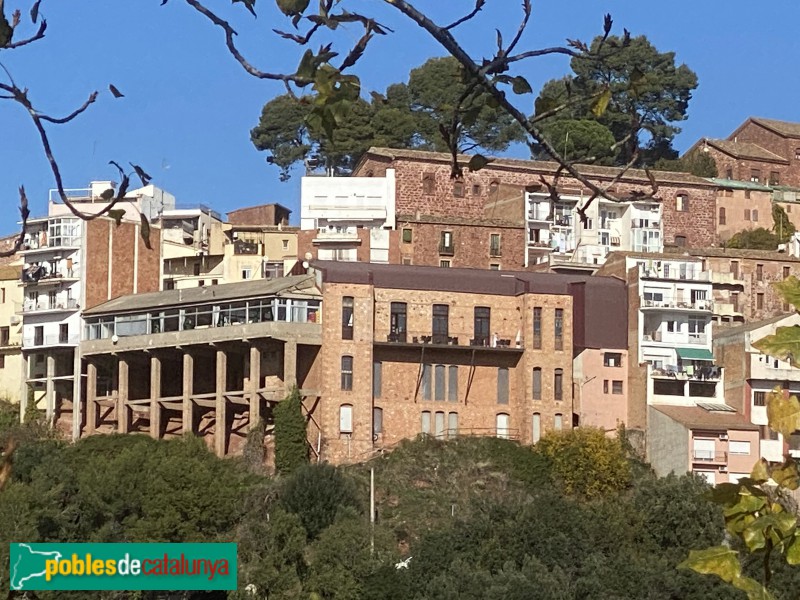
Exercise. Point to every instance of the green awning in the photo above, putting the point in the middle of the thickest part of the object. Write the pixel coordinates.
(695, 354)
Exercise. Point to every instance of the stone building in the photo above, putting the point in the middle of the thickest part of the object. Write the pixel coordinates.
(742, 205)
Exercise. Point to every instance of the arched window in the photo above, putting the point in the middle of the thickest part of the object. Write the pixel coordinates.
(558, 384)
(558, 422)
(503, 424)
(682, 202)
(721, 215)
(347, 373)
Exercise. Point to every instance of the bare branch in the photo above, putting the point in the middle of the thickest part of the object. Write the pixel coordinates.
(73, 114)
(478, 6)
(37, 36)
(527, 10)
(24, 214)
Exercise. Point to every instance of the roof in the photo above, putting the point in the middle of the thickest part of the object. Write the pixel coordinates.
(745, 150)
(735, 253)
(476, 222)
(740, 185)
(600, 303)
(200, 295)
(540, 166)
(784, 128)
(695, 417)
(726, 332)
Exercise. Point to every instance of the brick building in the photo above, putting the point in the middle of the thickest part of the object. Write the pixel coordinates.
(410, 350)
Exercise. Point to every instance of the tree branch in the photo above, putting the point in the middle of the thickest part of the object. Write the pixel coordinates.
(478, 6)
(36, 36)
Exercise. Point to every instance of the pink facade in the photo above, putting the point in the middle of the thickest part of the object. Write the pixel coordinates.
(723, 456)
(601, 387)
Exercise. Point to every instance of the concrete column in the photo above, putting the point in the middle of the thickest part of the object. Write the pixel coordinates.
(155, 395)
(221, 426)
(188, 390)
(77, 395)
(123, 415)
(23, 392)
(50, 394)
(255, 382)
(290, 364)
(91, 397)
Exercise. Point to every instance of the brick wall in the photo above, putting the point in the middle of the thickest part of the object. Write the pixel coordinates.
(401, 398)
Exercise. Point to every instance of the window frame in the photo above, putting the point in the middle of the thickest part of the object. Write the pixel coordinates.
(558, 384)
(348, 317)
(346, 373)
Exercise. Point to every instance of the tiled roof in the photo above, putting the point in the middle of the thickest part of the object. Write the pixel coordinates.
(784, 128)
(542, 167)
(745, 150)
(695, 417)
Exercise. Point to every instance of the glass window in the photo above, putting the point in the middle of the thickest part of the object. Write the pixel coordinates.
(537, 327)
(558, 422)
(439, 424)
(616, 387)
(612, 359)
(482, 325)
(377, 378)
(426, 421)
(347, 318)
(558, 384)
(377, 420)
(452, 424)
(398, 322)
(736, 447)
(347, 373)
(559, 329)
(759, 398)
(426, 382)
(439, 383)
(440, 325)
(452, 384)
(407, 236)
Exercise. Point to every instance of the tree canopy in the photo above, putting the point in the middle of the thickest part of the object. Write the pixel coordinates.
(636, 93)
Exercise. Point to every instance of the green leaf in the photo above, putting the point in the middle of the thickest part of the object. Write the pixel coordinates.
(783, 414)
(520, 85)
(792, 552)
(478, 162)
(760, 471)
(784, 343)
(786, 475)
(600, 104)
(725, 493)
(717, 560)
(789, 289)
(753, 589)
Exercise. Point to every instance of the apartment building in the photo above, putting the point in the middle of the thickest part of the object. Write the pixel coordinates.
(210, 361)
(10, 332)
(192, 247)
(70, 265)
(411, 350)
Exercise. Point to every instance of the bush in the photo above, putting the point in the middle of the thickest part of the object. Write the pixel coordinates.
(291, 447)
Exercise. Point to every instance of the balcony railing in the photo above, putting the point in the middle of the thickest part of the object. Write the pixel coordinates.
(710, 456)
(29, 306)
(447, 249)
(702, 305)
(51, 340)
(402, 337)
(675, 339)
(636, 224)
(33, 276)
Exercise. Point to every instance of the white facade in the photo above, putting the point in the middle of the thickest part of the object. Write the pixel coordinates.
(556, 230)
(338, 207)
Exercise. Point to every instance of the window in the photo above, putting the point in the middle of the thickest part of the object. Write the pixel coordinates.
(494, 266)
(755, 215)
(201, 283)
(672, 326)
(787, 271)
(285, 244)
(682, 202)
(735, 300)
(397, 322)
(612, 359)
(759, 398)
(3, 295)
(346, 418)
(247, 272)
(476, 189)
(558, 422)
(426, 382)
(377, 378)
(503, 422)
(537, 427)
(797, 153)
(347, 373)
(440, 325)
(482, 324)
(214, 281)
(428, 183)
(774, 178)
(458, 188)
(721, 215)
(680, 240)
(494, 244)
(452, 424)
(439, 424)
(747, 194)
(2, 361)
(502, 385)
(5, 336)
(737, 447)
(446, 243)
(735, 269)
(63, 333)
(406, 260)
(408, 236)
(558, 384)
(616, 387)
(439, 382)
(537, 327)
(759, 301)
(728, 173)
(759, 272)
(196, 269)
(605, 386)
(559, 329)
(537, 383)
(426, 421)
(377, 421)
(452, 384)
(444, 264)
(347, 318)
(755, 175)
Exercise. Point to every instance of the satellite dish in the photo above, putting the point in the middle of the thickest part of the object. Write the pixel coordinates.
(114, 338)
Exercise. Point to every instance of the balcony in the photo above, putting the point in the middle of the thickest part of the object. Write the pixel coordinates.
(447, 249)
(332, 236)
(673, 339)
(245, 248)
(727, 309)
(695, 305)
(493, 343)
(673, 273)
(709, 456)
(29, 306)
(642, 224)
(39, 276)
(43, 341)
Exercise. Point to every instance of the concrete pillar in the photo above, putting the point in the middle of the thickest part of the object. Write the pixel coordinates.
(221, 426)
(50, 394)
(255, 382)
(188, 390)
(290, 364)
(77, 395)
(91, 397)
(123, 415)
(155, 395)
(23, 392)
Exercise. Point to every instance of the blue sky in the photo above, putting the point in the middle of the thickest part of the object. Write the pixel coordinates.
(189, 107)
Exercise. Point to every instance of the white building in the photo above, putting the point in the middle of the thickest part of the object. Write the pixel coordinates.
(348, 213)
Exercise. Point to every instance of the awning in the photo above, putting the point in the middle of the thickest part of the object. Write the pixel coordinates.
(695, 354)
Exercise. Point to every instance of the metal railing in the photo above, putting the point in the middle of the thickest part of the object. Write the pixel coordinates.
(29, 306)
(51, 340)
(709, 456)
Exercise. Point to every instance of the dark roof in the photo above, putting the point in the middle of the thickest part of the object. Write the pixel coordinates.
(600, 302)
(201, 295)
(695, 417)
(784, 128)
(745, 150)
(541, 167)
(275, 204)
